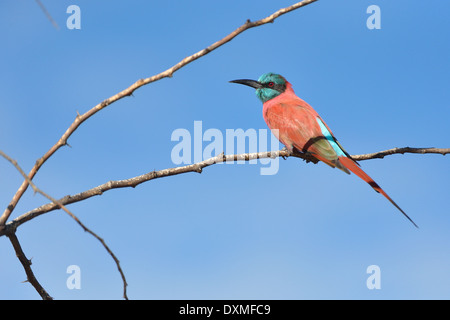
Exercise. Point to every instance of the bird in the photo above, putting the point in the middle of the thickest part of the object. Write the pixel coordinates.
(300, 128)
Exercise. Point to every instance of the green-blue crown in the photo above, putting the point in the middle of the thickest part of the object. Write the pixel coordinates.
(272, 85)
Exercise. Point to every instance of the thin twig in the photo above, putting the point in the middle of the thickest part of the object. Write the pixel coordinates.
(59, 204)
(47, 14)
(196, 167)
(129, 91)
(382, 154)
(27, 266)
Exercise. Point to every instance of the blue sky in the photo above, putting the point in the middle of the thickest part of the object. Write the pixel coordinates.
(308, 232)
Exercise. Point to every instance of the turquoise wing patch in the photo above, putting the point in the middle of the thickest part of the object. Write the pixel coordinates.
(327, 134)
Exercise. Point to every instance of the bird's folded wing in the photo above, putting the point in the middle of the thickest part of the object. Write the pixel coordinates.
(301, 127)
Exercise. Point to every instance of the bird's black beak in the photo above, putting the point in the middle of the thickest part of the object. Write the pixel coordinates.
(250, 83)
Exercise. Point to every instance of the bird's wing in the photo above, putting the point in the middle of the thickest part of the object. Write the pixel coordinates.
(301, 127)
(336, 140)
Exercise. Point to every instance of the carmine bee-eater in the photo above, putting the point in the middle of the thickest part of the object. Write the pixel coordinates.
(298, 126)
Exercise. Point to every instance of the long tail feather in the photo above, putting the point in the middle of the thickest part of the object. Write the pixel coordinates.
(353, 167)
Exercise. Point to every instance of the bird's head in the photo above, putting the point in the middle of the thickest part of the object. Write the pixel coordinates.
(268, 86)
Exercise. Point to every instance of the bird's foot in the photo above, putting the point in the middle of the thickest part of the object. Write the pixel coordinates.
(289, 153)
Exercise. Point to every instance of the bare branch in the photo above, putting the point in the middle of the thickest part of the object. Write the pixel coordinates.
(59, 204)
(27, 266)
(129, 91)
(196, 167)
(382, 154)
(47, 14)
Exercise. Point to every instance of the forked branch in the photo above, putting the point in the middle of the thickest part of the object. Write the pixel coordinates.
(129, 91)
(10, 229)
(196, 167)
(26, 263)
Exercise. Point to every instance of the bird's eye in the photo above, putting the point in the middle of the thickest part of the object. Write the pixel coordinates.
(271, 84)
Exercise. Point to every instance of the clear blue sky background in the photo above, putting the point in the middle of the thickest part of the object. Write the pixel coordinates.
(308, 232)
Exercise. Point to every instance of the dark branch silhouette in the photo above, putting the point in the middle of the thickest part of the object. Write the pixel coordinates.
(27, 266)
(59, 205)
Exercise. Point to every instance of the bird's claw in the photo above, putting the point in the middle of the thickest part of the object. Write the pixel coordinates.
(289, 153)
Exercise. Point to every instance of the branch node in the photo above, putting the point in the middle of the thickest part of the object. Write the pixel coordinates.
(198, 169)
(39, 162)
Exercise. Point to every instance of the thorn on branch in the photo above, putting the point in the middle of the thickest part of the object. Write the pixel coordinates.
(198, 169)
(26, 264)
(39, 162)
